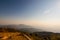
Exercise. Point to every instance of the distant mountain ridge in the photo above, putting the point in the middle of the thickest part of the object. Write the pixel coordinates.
(22, 27)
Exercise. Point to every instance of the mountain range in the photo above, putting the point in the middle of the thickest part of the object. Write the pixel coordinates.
(22, 27)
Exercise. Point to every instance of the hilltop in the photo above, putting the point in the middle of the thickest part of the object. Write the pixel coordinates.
(7, 33)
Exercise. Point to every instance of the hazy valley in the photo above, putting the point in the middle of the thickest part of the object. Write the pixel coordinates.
(24, 32)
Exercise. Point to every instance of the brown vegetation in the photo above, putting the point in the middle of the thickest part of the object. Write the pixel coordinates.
(13, 34)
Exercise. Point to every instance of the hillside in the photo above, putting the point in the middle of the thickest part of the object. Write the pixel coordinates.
(14, 34)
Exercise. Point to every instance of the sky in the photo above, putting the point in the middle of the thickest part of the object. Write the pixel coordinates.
(44, 13)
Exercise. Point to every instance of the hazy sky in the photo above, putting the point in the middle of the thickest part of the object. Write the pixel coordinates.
(31, 12)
